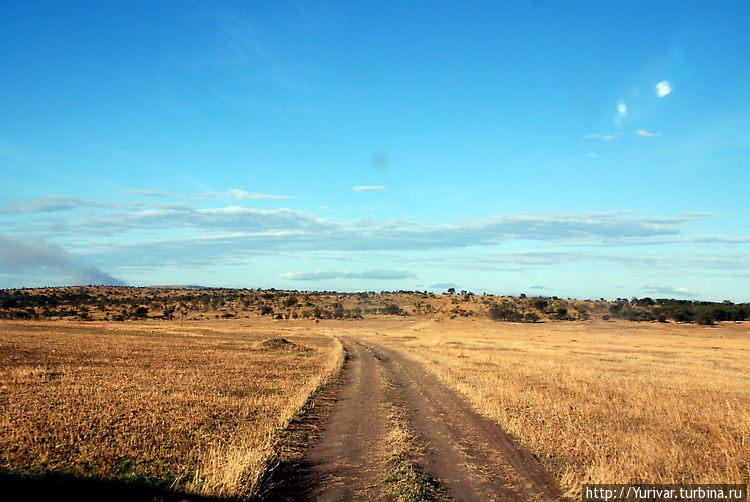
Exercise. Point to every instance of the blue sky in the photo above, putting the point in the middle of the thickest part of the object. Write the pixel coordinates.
(577, 149)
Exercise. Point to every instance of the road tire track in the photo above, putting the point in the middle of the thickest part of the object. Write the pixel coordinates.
(471, 454)
(473, 458)
(348, 462)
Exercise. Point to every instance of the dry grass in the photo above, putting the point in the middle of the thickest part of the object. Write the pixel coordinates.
(405, 455)
(195, 407)
(199, 407)
(605, 402)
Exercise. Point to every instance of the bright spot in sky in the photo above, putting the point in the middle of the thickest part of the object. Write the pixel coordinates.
(663, 88)
(622, 109)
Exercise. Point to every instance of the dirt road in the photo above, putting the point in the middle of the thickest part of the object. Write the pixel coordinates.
(469, 455)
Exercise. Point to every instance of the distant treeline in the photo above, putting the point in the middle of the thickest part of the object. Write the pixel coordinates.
(643, 309)
(111, 303)
(700, 312)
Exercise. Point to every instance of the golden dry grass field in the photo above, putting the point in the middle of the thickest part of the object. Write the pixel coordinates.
(602, 402)
(197, 407)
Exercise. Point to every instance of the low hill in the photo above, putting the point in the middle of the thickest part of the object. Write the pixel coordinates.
(188, 303)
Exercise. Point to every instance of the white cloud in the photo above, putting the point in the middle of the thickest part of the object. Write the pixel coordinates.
(622, 109)
(646, 134)
(241, 194)
(148, 193)
(606, 137)
(50, 204)
(663, 88)
(183, 235)
(311, 231)
(659, 289)
(345, 274)
(444, 285)
(592, 156)
(234, 193)
(373, 188)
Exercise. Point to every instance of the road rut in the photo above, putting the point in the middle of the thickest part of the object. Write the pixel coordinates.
(472, 457)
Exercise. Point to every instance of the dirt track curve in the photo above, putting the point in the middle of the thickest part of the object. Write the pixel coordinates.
(469, 454)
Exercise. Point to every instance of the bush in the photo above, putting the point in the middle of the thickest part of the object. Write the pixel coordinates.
(704, 319)
(682, 315)
(393, 309)
(540, 304)
(140, 312)
(504, 313)
(531, 317)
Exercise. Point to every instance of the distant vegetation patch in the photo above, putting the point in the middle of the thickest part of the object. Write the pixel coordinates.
(108, 303)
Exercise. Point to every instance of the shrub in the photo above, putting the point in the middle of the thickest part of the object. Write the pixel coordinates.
(504, 312)
(540, 304)
(704, 319)
(393, 309)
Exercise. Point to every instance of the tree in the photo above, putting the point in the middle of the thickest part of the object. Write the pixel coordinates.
(531, 317)
(540, 304)
(719, 314)
(704, 319)
(392, 309)
(169, 312)
(504, 312)
(140, 312)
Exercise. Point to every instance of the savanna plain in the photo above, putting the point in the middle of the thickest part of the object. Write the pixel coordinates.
(201, 402)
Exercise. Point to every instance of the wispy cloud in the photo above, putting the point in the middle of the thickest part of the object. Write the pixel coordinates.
(241, 194)
(372, 188)
(148, 193)
(444, 285)
(345, 274)
(50, 204)
(269, 228)
(645, 134)
(147, 236)
(673, 264)
(659, 289)
(606, 137)
(234, 193)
